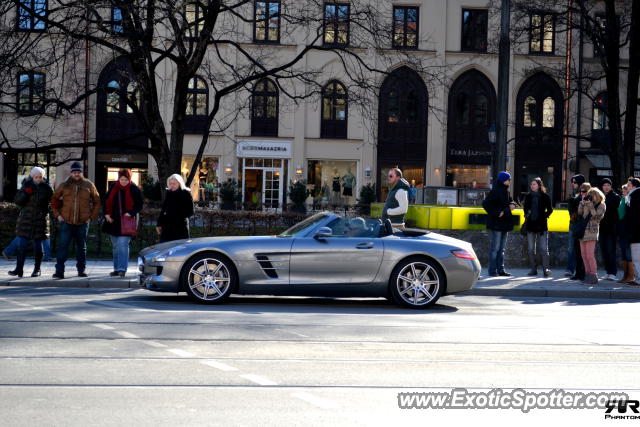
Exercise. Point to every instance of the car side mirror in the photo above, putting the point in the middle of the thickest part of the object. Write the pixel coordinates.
(323, 233)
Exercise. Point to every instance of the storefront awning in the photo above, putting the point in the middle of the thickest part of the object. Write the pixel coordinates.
(601, 161)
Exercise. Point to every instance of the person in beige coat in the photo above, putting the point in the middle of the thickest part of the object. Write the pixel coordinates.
(592, 205)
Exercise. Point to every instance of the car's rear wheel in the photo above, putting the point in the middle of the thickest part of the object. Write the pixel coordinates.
(209, 278)
(417, 283)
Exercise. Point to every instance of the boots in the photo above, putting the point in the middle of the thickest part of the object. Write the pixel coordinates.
(629, 272)
(36, 266)
(20, 256)
(533, 264)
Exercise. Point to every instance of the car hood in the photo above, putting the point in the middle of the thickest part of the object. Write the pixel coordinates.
(162, 247)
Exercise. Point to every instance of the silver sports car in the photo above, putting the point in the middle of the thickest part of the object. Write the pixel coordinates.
(323, 255)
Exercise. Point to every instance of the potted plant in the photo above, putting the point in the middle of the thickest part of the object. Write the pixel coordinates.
(229, 194)
(298, 194)
(367, 196)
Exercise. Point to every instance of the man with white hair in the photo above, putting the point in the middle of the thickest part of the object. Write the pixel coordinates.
(32, 226)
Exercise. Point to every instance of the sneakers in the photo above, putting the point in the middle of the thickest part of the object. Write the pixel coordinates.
(590, 279)
(569, 274)
(547, 272)
(117, 274)
(610, 277)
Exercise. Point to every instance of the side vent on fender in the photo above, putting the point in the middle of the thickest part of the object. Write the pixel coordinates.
(266, 266)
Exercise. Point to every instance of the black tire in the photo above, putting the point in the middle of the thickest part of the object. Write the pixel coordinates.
(209, 278)
(417, 283)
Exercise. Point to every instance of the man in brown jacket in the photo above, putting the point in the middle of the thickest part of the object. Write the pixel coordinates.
(75, 203)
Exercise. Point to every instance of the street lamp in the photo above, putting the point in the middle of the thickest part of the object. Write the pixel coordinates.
(228, 169)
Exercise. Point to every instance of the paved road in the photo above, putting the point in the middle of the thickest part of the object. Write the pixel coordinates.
(128, 357)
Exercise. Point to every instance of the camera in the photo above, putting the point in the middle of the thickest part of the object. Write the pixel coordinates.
(587, 198)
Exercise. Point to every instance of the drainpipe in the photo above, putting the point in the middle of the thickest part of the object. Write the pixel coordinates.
(85, 125)
(579, 90)
(567, 100)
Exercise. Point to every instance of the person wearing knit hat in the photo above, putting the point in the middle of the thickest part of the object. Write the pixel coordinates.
(498, 204)
(32, 226)
(75, 204)
(608, 236)
(575, 267)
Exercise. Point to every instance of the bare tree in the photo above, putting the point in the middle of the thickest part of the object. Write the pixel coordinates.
(610, 26)
(167, 43)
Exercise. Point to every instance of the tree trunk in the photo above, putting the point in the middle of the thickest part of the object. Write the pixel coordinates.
(633, 75)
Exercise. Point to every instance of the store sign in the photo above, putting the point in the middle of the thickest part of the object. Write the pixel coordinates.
(266, 149)
(122, 158)
(465, 155)
(609, 172)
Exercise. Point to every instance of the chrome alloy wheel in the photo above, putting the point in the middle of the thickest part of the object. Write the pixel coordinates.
(209, 279)
(418, 284)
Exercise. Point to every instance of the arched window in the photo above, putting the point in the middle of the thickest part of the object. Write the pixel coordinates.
(334, 111)
(481, 110)
(133, 93)
(548, 112)
(264, 109)
(600, 119)
(113, 97)
(530, 112)
(197, 97)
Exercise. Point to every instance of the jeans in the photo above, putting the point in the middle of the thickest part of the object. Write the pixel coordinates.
(625, 247)
(66, 235)
(635, 254)
(571, 252)
(120, 246)
(13, 247)
(588, 251)
(496, 253)
(608, 249)
(538, 243)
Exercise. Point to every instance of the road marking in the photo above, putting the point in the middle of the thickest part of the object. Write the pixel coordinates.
(153, 344)
(219, 365)
(122, 305)
(103, 326)
(314, 400)
(258, 379)
(291, 332)
(180, 353)
(126, 334)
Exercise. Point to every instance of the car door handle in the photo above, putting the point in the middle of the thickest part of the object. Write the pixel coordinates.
(364, 245)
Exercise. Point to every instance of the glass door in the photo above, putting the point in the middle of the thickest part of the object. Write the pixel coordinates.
(272, 184)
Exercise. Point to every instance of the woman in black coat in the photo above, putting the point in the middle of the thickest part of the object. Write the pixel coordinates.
(537, 209)
(124, 199)
(33, 221)
(173, 222)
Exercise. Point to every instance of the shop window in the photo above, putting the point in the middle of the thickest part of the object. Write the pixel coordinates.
(413, 174)
(267, 22)
(113, 97)
(30, 94)
(204, 186)
(336, 24)
(548, 112)
(194, 17)
(468, 176)
(530, 112)
(334, 111)
(405, 27)
(474, 30)
(600, 119)
(332, 182)
(30, 15)
(26, 162)
(133, 92)
(264, 106)
(542, 30)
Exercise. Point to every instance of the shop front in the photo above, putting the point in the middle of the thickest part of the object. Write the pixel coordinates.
(332, 183)
(108, 164)
(17, 167)
(206, 182)
(263, 173)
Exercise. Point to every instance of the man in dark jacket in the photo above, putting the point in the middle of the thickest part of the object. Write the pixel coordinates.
(608, 235)
(575, 265)
(499, 205)
(397, 202)
(632, 223)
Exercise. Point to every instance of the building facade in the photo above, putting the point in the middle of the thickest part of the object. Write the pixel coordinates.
(435, 129)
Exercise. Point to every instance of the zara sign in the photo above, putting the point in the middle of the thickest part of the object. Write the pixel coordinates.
(266, 149)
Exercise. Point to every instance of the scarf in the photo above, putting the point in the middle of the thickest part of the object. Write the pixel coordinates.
(128, 200)
(535, 205)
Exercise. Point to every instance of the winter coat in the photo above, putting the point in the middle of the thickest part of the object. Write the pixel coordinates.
(597, 213)
(397, 203)
(33, 200)
(117, 210)
(498, 200)
(610, 220)
(544, 211)
(632, 216)
(76, 201)
(174, 216)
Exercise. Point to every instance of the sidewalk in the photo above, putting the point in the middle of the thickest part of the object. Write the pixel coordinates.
(520, 285)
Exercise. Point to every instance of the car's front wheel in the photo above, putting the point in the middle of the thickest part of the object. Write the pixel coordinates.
(416, 283)
(208, 278)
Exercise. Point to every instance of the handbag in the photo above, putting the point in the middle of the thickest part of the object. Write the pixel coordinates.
(128, 224)
(581, 227)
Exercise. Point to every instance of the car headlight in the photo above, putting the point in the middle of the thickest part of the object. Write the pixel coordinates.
(161, 257)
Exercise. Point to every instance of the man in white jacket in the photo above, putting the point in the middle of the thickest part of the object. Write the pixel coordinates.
(397, 202)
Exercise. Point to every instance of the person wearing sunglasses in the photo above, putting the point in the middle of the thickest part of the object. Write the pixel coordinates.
(575, 267)
(397, 203)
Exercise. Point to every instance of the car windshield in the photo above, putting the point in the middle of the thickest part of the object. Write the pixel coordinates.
(303, 225)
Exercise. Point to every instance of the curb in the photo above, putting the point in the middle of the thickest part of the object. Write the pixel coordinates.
(627, 294)
(75, 283)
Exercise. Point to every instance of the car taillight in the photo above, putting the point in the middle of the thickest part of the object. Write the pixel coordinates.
(462, 253)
